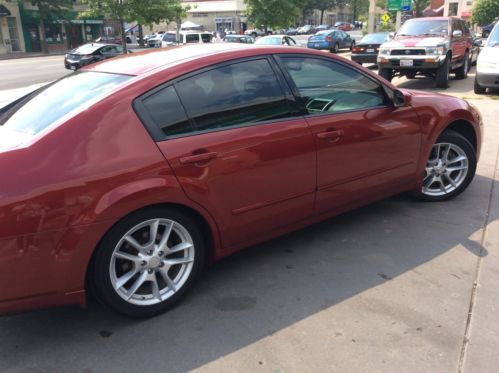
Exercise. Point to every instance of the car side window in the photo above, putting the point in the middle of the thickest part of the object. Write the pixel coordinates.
(231, 95)
(192, 38)
(166, 112)
(330, 87)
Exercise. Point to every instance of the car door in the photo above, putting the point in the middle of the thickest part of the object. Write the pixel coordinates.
(365, 145)
(236, 146)
(458, 42)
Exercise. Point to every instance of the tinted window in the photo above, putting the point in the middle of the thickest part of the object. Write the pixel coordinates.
(241, 93)
(424, 27)
(166, 112)
(327, 86)
(192, 38)
(44, 108)
(170, 37)
(206, 38)
(377, 38)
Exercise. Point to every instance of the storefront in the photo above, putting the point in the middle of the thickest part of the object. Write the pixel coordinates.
(10, 29)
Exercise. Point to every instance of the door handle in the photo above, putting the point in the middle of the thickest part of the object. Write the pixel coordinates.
(203, 157)
(327, 135)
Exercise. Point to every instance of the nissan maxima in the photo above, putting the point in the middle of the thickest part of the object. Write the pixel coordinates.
(127, 177)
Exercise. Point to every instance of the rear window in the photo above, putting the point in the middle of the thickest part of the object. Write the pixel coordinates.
(39, 110)
(375, 39)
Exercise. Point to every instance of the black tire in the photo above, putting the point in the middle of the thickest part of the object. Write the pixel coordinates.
(462, 71)
(411, 75)
(254, 35)
(442, 75)
(336, 48)
(100, 274)
(479, 90)
(461, 142)
(386, 74)
(485, 34)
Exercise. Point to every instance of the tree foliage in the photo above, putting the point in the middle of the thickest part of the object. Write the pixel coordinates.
(485, 11)
(419, 6)
(273, 13)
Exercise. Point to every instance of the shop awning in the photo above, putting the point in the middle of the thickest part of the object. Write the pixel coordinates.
(4, 11)
(189, 24)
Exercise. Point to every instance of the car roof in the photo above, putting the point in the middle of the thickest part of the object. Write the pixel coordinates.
(91, 47)
(143, 62)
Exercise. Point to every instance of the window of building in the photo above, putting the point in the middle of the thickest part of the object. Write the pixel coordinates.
(327, 86)
(453, 9)
(53, 33)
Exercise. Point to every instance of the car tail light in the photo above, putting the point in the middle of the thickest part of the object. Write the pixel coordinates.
(355, 49)
(329, 38)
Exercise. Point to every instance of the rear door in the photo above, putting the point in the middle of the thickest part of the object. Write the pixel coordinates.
(237, 148)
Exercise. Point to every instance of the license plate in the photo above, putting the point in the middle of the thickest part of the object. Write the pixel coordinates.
(72, 67)
(317, 45)
(370, 50)
(406, 62)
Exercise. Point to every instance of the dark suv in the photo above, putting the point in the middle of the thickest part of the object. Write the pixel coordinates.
(432, 47)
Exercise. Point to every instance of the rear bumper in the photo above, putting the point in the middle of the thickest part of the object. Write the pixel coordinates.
(319, 45)
(404, 62)
(364, 58)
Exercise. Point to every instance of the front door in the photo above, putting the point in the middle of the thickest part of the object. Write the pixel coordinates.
(365, 146)
(241, 154)
(34, 37)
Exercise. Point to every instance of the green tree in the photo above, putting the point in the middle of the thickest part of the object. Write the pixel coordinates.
(144, 12)
(485, 11)
(50, 11)
(273, 13)
(323, 5)
(359, 8)
(419, 6)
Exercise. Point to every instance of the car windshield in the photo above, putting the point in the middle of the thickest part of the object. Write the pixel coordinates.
(87, 48)
(426, 27)
(39, 110)
(493, 39)
(171, 38)
(378, 38)
(269, 41)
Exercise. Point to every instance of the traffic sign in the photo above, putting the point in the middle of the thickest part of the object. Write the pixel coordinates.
(385, 18)
(396, 5)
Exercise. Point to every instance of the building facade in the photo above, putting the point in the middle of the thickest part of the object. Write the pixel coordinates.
(11, 35)
(458, 8)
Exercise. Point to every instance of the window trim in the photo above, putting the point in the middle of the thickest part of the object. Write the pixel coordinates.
(299, 99)
(159, 136)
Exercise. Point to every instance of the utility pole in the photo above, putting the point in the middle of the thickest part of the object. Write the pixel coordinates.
(398, 20)
(372, 11)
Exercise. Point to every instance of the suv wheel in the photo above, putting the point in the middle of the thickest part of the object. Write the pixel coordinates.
(386, 73)
(462, 72)
(442, 75)
(478, 88)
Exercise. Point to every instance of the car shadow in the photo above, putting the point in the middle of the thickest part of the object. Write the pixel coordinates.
(255, 293)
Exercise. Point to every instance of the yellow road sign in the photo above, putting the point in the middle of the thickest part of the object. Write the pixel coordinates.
(385, 17)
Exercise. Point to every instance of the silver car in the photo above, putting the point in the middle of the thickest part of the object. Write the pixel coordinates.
(487, 66)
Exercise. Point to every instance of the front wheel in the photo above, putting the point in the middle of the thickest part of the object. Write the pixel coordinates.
(147, 261)
(462, 72)
(386, 73)
(478, 88)
(450, 168)
(442, 75)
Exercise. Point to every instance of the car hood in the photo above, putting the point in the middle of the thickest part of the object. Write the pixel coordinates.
(415, 41)
(489, 54)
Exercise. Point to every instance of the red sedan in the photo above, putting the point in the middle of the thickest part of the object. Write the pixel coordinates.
(127, 177)
(343, 26)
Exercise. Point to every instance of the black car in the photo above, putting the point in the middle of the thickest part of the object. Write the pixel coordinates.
(487, 29)
(366, 50)
(90, 53)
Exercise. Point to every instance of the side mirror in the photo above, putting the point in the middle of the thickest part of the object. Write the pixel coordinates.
(478, 42)
(398, 98)
(457, 33)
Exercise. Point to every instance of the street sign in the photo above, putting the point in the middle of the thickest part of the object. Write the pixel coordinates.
(385, 18)
(396, 5)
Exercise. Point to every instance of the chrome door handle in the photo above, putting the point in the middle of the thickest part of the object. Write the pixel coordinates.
(203, 157)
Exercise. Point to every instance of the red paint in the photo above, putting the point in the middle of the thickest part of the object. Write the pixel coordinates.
(65, 190)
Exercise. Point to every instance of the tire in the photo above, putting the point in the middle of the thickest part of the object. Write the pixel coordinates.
(462, 71)
(442, 75)
(479, 90)
(450, 151)
(336, 48)
(254, 35)
(128, 264)
(386, 74)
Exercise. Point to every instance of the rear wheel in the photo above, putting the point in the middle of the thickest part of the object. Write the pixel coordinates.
(146, 263)
(450, 168)
(478, 88)
(442, 75)
(462, 72)
(386, 74)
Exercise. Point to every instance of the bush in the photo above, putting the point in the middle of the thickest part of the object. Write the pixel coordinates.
(485, 11)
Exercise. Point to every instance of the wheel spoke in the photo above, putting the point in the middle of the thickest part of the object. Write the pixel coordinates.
(451, 180)
(452, 169)
(168, 280)
(442, 186)
(155, 288)
(132, 241)
(175, 261)
(126, 256)
(457, 159)
(429, 182)
(179, 247)
(445, 156)
(153, 231)
(136, 285)
(164, 239)
(125, 278)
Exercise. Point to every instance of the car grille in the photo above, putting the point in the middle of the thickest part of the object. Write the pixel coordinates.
(74, 57)
(408, 52)
(414, 62)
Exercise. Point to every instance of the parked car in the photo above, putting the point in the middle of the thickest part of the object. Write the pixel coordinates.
(155, 41)
(487, 67)
(344, 26)
(186, 37)
(332, 40)
(90, 53)
(277, 40)
(366, 50)
(487, 29)
(256, 32)
(128, 176)
(246, 39)
(108, 39)
(306, 30)
(291, 31)
(322, 28)
(434, 46)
